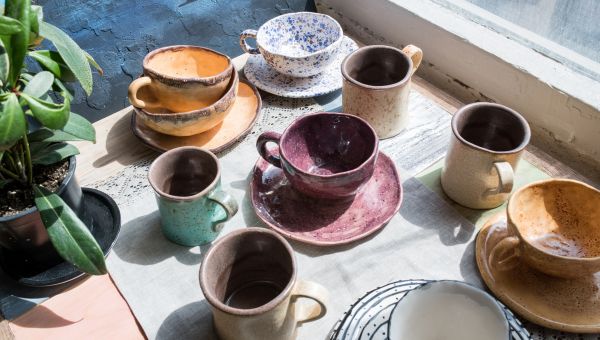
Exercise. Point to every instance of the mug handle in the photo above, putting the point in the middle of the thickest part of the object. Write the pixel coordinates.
(506, 245)
(506, 178)
(134, 87)
(261, 146)
(228, 203)
(315, 292)
(415, 54)
(244, 44)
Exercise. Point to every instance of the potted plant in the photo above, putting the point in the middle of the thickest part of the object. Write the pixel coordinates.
(40, 200)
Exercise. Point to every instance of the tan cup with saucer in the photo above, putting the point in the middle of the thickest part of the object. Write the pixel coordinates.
(554, 227)
(181, 78)
(249, 279)
(485, 147)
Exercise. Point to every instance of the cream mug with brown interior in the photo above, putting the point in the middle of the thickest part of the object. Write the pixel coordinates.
(554, 227)
(181, 78)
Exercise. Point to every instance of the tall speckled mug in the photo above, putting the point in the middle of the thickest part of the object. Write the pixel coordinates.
(486, 145)
(376, 86)
(187, 183)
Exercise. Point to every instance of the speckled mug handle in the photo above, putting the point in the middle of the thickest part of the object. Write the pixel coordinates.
(498, 256)
(244, 44)
(415, 54)
(261, 146)
(228, 203)
(315, 292)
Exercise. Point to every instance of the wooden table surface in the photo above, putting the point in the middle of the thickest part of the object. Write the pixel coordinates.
(94, 308)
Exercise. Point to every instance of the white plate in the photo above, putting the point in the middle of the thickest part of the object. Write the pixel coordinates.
(263, 76)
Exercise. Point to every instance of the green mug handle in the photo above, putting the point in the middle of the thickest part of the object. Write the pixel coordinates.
(228, 203)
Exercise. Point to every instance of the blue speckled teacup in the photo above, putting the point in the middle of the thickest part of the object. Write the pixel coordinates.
(298, 44)
(193, 208)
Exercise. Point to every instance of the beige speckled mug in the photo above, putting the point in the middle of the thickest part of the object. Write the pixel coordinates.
(486, 145)
(376, 85)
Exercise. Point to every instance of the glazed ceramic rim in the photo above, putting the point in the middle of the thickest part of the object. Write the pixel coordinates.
(195, 196)
(511, 300)
(467, 286)
(399, 83)
(337, 174)
(327, 49)
(216, 303)
(481, 105)
(170, 80)
(312, 241)
(257, 113)
(511, 207)
(229, 96)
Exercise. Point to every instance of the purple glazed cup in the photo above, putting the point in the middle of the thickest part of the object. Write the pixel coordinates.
(324, 155)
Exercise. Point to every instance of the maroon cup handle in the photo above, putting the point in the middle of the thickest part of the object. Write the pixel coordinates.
(261, 146)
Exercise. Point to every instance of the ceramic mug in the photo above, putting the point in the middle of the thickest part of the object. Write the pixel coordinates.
(298, 44)
(554, 227)
(485, 147)
(324, 154)
(376, 85)
(181, 78)
(249, 278)
(192, 206)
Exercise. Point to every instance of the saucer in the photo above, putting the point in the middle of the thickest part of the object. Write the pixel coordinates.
(101, 215)
(325, 223)
(563, 304)
(268, 79)
(236, 125)
(370, 316)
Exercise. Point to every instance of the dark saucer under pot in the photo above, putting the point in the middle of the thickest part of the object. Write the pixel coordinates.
(102, 216)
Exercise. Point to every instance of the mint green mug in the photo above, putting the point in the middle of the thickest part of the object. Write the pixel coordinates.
(192, 206)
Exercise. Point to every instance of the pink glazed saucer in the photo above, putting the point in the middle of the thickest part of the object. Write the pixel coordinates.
(325, 222)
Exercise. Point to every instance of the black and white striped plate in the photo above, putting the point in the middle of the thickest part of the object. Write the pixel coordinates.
(368, 318)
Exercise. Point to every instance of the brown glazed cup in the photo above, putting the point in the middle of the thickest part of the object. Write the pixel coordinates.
(181, 78)
(554, 227)
(324, 154)
(249, 279)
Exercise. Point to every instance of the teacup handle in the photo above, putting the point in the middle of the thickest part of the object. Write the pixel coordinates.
(134, 87)
(244, 44)
(415, 54)
(506, 179)
(261, 146)
(228, 203)
(315, 292)
(498, 257)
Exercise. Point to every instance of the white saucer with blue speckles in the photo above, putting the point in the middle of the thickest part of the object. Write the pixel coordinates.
(263, 76)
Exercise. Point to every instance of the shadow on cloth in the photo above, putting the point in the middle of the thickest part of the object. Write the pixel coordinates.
(192, 321)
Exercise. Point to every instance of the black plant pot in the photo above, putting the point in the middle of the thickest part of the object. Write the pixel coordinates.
(25, 235)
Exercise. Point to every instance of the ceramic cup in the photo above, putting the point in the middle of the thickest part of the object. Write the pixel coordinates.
(485, 147)
(298, 44)
(249, 279)
(377, 84)
(554, 227)
(192, 206)
(181, 78)
(450, 310)
(324, 155)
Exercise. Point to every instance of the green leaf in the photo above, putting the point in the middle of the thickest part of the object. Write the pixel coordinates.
(4, 63)
(18, 10)
(51, 115)
(93, 63)
(69, 235)
(54, 153)
(77, 128)
(53, 62)
(71, 53)
(36, 16)
(39, 84)
(12, 122)
(10, 26)
(60, 87)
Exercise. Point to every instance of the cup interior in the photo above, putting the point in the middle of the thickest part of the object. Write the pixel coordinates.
(492, 127)
(299, 34)
(183, 172)
(448, 310)
(328, 144)
(187, 62)
(248, 270)
(559, 217)
(377, 66)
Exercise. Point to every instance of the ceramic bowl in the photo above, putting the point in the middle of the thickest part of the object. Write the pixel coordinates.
(450, 310)
(191, 122)
(324, 154)
(298, 44)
